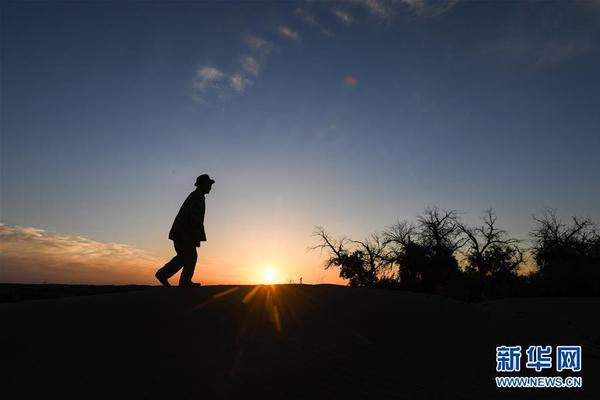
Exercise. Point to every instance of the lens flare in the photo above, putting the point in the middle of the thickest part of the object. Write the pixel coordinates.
(269, 275)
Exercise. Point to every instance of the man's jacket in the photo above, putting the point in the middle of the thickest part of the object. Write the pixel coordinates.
(189, 222)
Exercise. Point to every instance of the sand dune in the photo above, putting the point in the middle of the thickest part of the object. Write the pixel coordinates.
(288, 341)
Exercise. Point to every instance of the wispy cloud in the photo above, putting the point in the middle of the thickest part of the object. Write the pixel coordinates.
(239, 82)
(386, 10)
(257, 44)
(250, 64)
(210, 74)
(311, 20)
(430, 8)
(416, 4)
(344, 16)
(208, 79)
(35, 255)
(211, 81)
(288, 33)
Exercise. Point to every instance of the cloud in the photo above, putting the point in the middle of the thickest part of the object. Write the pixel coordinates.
(211, 81)
(417, 4)
(210, 74)
(344, 16)
(224, 83)
(430, 8)
(257, 44)
(288, 33)
(32, 255)
(208, 78)
(239, 82)
(311, 20)
(386, 10)
(250, 65)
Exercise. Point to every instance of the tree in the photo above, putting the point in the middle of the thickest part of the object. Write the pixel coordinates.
(567, 255)
(489, 251)
(424, 253)
(363, 263)
(401, 239)
(440, 230)
(440, 236)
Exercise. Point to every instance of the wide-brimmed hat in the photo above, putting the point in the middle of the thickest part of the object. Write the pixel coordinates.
(202, 179)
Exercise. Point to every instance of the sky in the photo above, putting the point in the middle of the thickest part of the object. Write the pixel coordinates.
(347, 115)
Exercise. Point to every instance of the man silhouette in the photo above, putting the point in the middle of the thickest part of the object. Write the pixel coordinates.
(186, 233)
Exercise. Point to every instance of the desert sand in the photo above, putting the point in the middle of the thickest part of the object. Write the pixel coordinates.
(283, 341)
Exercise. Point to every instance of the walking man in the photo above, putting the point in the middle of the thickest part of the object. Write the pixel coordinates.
(186, 233)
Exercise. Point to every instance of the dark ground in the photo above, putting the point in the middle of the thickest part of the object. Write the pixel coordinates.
(287, 341)
(12, 292)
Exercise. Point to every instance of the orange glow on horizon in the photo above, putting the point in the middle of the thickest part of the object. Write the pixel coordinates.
(269, 275)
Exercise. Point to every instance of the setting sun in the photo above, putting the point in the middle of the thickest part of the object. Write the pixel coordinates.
(269, 275)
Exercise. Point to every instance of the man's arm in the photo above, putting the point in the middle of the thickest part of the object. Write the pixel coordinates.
(197, 210)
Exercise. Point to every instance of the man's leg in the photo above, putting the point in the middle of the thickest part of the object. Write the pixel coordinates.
(189, 256)
(171, 267)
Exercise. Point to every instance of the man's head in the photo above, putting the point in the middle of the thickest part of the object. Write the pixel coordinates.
(204, 183)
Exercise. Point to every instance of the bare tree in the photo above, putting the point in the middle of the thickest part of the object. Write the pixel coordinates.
(363, 263)
(551, 231)
(401, 233)
(376, 252)
(558, 245)
(400, 239)
(335, 247)
(423, 256)
(489, 249)
(440, 229)
(424, 253)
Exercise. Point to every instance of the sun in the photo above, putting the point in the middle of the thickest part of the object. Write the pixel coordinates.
(269, 275)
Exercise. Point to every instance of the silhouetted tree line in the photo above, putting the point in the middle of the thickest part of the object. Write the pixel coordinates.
(439, 253)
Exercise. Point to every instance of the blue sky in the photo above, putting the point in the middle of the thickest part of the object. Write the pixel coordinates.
(347, 115)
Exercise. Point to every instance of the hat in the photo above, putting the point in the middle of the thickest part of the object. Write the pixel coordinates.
(204, 178)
